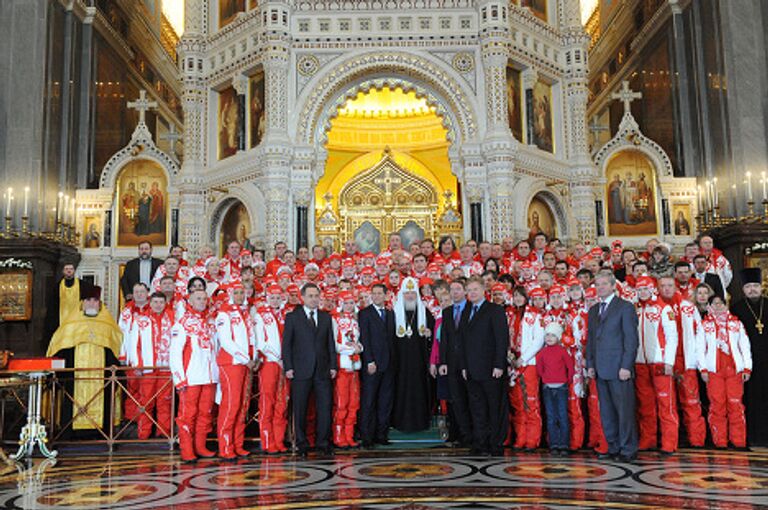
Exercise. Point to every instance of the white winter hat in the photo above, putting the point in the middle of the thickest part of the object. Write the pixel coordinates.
(554, 328)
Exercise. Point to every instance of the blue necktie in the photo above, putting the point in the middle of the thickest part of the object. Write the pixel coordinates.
(474, 311)
(383, 314)
(602, 308)
(456, 315)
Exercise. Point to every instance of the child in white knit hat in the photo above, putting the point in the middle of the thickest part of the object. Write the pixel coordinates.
(555, 367)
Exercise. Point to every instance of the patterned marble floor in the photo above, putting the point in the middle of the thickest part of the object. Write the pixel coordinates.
(392, 479)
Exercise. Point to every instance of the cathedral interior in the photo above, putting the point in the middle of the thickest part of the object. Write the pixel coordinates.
(196, 123)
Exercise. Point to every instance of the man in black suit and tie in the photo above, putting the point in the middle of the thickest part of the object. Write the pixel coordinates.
(611, 352)
(139, 270)
(484, 342)
(309, 360)
(377, 334)
(450, 364)
(700, 264)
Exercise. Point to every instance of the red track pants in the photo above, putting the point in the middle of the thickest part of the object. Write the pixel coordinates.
(194, 419)
(726, 409)
(235, 381)
(274, 389)
(133, 389)
(524, 400)
(656, 405)
(596, 438)
(575, 419)
(154, 394)
(346, 403)
(690, 405)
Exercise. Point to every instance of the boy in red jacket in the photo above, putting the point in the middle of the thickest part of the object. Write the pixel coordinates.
(555, 367)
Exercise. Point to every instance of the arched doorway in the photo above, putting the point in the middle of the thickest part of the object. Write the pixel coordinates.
(387, 170)
(235, 226)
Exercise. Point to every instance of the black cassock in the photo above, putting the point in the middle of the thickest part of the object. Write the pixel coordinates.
(412, 407)
(756, 389)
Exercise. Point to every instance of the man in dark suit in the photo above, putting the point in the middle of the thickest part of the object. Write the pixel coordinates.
(139, 270)
(450, 364)
(484, 342)
(611, 352)
(700, 273)
(309, 360)
(377, 334)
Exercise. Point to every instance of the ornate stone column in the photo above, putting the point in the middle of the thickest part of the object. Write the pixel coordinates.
(576, 94)
(191, 52)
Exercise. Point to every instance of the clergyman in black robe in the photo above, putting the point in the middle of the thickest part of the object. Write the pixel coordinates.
(752, 311)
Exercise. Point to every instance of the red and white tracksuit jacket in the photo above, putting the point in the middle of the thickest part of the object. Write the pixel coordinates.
(718, 264)
(230, 268)
(146, 343)
(726, 358)
(274, 388)
(195, 374)
(346, 399)
(690, 349)
(525, 392)
(237, 347)
(182, 277)
(656, 400)
(596, 438)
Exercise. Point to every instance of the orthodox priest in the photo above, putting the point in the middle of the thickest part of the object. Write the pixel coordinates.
(88, 338)
(413, 338)
(752, 311)
(66, 297)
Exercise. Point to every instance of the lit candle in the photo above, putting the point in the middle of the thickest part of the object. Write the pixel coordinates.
(749, 187)
(708, 186)
(74, 212)
(26, 201)
(765, 195)
(8, 200)
(65, 210)
(59, 199)
(714, 191)
(701, 200)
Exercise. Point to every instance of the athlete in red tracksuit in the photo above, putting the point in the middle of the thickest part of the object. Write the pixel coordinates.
(134, 323)
(726, 364)
(146, 343)
(596, 438)
(274, 388)
(654, 385)
(526, 386)
(195, 374)
(688, 323)
(346, 398)
(236, 359)
(515, 313)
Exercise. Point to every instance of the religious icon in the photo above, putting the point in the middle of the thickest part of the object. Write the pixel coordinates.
(229, 123)
(514, 103)
(537, 7)
(257, 109)
(236, 226)
(143, 204)
(681, 214)
(368, 238)
(631, 195)
(15, 295)
(92, 237)
(540, 219)
(228, 10)
(411, 233)
(542, 117)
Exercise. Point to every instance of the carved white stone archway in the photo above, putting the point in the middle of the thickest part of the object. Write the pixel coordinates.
(252, 200)
(427, 76)
(556, 205)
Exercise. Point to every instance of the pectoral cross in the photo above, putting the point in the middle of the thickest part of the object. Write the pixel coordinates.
(759, 327)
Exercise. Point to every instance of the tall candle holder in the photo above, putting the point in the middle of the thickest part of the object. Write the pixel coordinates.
(751, 209)
(765, 210)
(716, 215)
(25, 226)
(8, 231)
